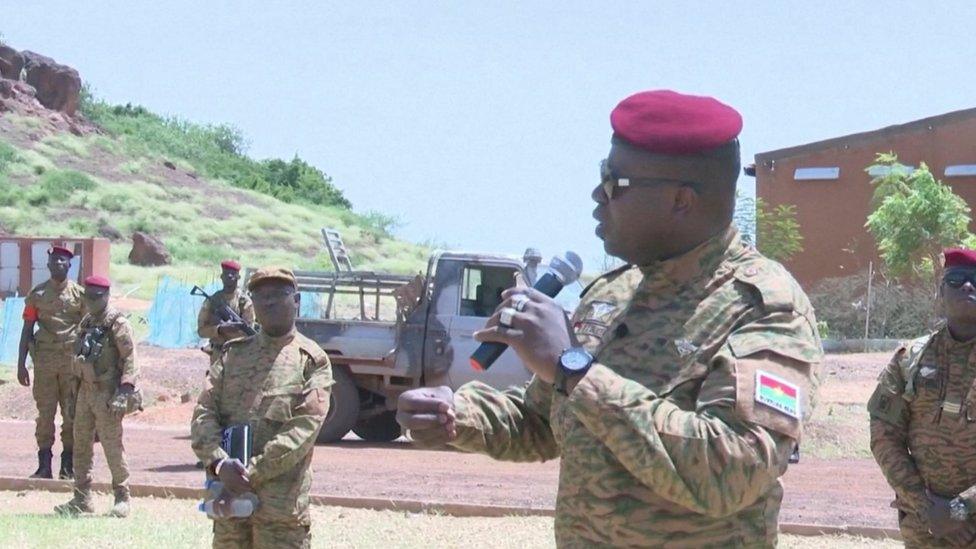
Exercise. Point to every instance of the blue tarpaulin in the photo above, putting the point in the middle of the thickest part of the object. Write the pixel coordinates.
(13, 324)
(172, 317)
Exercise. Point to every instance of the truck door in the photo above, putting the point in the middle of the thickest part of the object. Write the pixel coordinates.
(479, 294)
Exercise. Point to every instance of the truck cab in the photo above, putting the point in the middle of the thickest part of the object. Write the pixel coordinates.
(387, 333)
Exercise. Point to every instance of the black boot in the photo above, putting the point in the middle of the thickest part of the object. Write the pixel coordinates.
(67, 465)
(43, 464)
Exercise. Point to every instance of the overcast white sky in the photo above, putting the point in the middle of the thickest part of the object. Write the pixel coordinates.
(481, 124)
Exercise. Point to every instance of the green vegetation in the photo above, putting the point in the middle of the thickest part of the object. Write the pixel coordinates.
(26, 521)
(778, 234)
(192, 186)
(214, 150)
(915, 217)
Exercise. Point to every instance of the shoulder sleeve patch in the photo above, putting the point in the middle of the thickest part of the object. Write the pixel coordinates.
(774, 392)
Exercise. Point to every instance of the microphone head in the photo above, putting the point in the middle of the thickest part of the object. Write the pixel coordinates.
(567, 267)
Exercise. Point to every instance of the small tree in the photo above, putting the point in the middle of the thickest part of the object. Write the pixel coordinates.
(915, 217)
(745, 217)
(777, 231)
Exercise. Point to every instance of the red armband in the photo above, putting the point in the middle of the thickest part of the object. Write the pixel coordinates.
(30, 313)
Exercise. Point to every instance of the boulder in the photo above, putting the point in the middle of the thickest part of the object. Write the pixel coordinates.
(13, 62)
(58, 86)
(107, 231)
(148, 251)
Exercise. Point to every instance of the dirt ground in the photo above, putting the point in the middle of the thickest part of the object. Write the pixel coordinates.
(836, 482)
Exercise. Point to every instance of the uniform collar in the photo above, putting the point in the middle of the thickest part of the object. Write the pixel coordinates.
(703, 259)
(55, 285)
(280, 341)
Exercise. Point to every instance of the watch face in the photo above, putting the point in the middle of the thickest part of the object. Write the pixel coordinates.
(576, 359)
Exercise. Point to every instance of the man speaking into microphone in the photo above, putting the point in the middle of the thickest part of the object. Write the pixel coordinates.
(678, 389)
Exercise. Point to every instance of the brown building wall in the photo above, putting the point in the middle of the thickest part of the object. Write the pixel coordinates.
(832, 213)
(92, 257)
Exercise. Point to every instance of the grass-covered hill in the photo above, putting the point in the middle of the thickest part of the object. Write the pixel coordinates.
(191, 185)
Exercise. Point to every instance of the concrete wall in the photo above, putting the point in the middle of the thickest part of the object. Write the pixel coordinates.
(832, 213)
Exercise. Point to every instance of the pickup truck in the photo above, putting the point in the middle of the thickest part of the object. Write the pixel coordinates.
(387, 333)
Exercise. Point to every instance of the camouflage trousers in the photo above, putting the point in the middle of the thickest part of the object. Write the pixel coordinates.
(55, 384)
(915, 533)
(91, 414)
(258, 534)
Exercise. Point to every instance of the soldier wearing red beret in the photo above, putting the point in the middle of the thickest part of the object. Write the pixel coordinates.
(105, 359)
(923, 434)
(54, 307)
(678, 389)
(209, 324)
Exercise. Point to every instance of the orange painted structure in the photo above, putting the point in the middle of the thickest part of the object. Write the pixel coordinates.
(827, 183)
(23, 260)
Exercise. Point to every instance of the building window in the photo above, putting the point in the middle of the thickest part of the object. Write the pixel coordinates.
(960, 170)
(881, 171)
(820, 173)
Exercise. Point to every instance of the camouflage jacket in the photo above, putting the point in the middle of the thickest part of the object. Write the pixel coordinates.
(59, 310)
(280, 386)
(923, 421)
(677, 435)
(207, 320)
(117, 362)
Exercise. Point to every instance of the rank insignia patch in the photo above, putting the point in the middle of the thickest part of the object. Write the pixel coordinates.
(778, 393)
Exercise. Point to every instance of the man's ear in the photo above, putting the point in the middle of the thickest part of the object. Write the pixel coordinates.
(685, 200)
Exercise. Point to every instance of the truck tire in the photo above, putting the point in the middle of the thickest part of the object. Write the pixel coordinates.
(343, 408)
(379, 428)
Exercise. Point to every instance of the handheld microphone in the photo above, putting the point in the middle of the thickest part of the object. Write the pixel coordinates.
(562, 271)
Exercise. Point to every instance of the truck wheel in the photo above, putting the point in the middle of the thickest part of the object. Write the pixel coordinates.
(379, 428)
(343, 408)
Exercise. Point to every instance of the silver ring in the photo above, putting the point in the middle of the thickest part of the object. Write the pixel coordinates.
(505, 316)
(519, 301)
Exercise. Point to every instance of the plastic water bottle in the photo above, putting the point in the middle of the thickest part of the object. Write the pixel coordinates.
(242, 506)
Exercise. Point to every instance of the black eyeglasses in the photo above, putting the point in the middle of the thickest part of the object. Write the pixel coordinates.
(611, 181)
(956, 279)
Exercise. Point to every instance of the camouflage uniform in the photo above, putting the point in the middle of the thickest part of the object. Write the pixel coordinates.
(663, 441)
(280, 386)
(207, 320)
(115, 366)
(58, 310)
(923, 428)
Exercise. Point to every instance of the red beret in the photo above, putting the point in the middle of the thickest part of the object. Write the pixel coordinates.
(667, 122)
(98, 281)
(61, 250)
(230, 264)
(959, 257)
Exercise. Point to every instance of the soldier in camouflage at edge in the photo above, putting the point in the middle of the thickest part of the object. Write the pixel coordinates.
(923, 419)
(209, 324)
(279, 382)
(105, 359)
(56, 307)
(678, 389)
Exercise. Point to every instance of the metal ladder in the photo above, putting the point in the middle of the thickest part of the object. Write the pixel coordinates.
(337, 250)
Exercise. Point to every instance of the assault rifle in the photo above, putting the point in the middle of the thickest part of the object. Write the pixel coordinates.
(223, 311)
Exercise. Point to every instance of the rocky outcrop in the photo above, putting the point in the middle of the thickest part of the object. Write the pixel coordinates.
(148, 251)
(58, 86)
(11, 62)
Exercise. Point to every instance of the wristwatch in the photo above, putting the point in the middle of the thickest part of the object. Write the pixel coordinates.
(958, 509)
(574, 361)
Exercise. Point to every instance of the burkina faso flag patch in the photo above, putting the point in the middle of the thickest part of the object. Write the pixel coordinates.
(778, 393)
